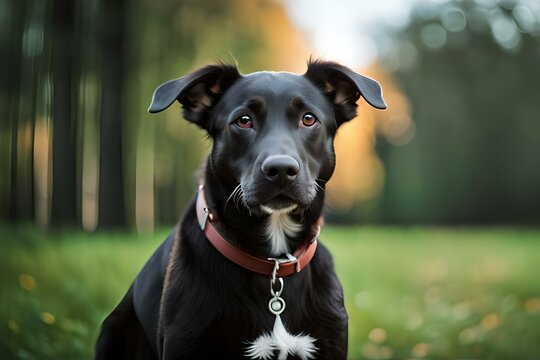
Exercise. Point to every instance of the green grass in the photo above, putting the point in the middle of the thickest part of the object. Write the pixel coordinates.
(430, 293)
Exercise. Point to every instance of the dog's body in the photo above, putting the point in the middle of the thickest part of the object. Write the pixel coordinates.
(264, 184)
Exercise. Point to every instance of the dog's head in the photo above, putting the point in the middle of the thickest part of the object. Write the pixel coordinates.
(273, 131)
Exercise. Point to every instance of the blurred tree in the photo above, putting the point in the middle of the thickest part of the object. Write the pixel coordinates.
(469, 70)
(111, 210)
(64, 68)
(11, 34)
(22, 43)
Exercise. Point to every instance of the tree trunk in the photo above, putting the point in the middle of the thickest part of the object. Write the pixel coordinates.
(10, 60)
(112, 213)
(64, 189)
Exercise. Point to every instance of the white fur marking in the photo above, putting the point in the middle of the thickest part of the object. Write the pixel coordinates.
(284, 343)
(280, 225)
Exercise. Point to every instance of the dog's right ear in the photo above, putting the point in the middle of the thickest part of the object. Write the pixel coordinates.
(197, 92)
(344, 87)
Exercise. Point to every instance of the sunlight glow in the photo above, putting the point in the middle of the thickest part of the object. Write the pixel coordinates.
(344, 30)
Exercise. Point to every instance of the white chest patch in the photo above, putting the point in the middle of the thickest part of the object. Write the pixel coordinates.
(280, 225)
(282, 344)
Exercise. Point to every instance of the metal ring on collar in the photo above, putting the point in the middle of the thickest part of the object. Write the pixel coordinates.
(272, 291)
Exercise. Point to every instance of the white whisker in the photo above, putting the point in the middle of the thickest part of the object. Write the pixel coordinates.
(239, 198)
(319, 187)
(237, 189)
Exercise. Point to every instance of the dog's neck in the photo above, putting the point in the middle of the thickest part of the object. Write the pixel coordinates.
(279, 227)
(268, 233)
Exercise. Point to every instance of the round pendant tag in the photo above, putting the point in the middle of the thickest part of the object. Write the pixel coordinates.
(276, 305)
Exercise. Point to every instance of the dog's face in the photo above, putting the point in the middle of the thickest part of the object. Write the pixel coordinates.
(273, 135)
(273, 131)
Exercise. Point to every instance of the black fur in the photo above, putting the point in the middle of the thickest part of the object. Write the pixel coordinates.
(190, 302)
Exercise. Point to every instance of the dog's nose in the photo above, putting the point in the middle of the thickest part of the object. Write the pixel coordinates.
(280, 168)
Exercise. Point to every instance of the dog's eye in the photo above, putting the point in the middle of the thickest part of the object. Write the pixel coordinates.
(244, 122)
(308, 120)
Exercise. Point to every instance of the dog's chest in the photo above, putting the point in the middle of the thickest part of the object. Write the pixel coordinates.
(241, 326)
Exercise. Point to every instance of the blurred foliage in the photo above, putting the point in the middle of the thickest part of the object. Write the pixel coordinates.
(433, 293)
(468, 152)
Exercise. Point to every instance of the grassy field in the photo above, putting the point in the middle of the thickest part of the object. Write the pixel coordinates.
(411, 293)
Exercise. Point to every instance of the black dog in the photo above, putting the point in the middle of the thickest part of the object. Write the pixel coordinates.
(242, 276)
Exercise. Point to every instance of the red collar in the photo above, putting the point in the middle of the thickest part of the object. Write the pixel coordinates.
(287, 266)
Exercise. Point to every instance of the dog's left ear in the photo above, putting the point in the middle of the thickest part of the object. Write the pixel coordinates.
(344, 87)
(198, 92)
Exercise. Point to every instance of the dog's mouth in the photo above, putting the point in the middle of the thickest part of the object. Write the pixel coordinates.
(280, 203)
(263, 200)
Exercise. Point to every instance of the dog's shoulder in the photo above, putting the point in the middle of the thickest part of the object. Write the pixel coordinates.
(148, 287)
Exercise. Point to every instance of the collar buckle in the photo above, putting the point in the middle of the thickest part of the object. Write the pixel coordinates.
(288, 257)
